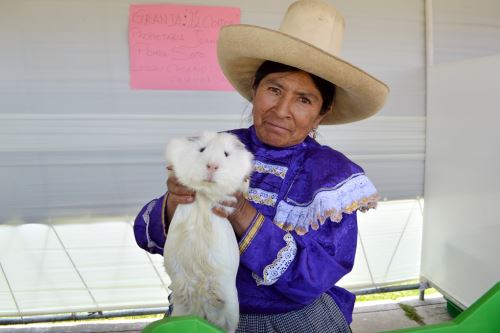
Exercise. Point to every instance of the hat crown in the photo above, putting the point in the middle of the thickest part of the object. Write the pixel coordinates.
(315, 22)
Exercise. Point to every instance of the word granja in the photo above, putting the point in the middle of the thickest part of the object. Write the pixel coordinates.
(189, 20)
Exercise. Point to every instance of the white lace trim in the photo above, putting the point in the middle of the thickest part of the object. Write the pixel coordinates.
(284, 258)
(261, 197)
(145, 216)
(356, 192)
(276, 170)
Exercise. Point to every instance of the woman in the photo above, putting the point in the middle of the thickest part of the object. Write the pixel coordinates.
(296, 227)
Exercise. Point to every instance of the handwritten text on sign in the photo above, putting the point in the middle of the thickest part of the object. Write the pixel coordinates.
(174, 46)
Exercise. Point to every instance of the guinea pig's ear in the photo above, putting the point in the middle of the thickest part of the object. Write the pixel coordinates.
(236, 142)
(193, 138)
(175, 147)
(208, 135)
(239, 145)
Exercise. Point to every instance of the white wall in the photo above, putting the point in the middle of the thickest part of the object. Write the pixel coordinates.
(462, 186)
(464, 29)
(75, 140)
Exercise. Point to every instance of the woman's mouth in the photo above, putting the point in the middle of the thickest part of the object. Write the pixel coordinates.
(276, 127)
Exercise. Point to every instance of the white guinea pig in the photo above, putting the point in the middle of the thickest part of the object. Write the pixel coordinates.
(201, 252)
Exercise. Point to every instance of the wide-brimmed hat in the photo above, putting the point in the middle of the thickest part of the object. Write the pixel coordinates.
(309, 38)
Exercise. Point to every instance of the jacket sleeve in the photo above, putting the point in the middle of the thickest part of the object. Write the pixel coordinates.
(300, 268)
(149, 226)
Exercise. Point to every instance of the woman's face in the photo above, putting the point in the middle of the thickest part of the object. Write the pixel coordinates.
(286, 108)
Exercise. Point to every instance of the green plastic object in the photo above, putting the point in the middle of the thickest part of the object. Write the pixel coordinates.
(453, 309)
(482, 317)
(184, 324)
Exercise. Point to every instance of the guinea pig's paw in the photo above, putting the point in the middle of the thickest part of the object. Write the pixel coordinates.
(245, 184)
(226, 210)
(231, 199)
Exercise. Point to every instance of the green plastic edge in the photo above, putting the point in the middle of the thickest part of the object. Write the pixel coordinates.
(453, 309)
(156, 326)
(487, 301)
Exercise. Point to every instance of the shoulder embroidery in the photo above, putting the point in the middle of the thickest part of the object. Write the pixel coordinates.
(261, 197)
(356, 192)
(277, 170)
(284, 258)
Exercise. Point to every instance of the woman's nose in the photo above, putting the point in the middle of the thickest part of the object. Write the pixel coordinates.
(282, 107)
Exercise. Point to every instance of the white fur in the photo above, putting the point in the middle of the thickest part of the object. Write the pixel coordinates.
(201, 252)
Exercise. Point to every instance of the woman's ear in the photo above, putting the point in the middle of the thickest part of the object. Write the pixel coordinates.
(253, 90)
(320, 117)
(330, 108)
(318, 120)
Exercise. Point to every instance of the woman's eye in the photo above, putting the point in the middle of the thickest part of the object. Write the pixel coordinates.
(305, 100)
(226, 153)
(202, 150)
(274, 90)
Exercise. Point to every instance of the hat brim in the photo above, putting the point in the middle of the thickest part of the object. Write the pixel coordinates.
(241, 49)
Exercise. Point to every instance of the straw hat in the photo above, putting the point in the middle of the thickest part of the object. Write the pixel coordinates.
(309, 38)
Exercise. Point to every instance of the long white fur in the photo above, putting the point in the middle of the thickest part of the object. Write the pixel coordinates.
(201, 253)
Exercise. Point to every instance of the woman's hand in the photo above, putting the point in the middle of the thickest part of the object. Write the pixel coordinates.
(178, 194)
(238, 211)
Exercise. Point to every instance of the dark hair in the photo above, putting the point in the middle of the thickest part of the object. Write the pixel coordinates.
(326, 89)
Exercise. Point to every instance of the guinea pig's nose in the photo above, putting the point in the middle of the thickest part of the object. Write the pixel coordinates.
(212, 167)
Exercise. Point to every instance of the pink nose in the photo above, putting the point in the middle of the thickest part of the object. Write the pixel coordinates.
(212, 167)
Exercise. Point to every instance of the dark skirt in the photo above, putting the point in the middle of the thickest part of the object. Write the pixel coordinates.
(321, 316)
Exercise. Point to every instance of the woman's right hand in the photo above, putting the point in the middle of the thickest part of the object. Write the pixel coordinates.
(178, 194)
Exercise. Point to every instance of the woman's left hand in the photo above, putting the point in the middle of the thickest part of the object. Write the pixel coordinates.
(238, 211)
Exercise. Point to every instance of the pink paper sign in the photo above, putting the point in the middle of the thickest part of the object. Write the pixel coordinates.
(174, 46)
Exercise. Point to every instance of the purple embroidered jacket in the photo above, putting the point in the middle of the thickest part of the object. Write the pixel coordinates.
(303, 240)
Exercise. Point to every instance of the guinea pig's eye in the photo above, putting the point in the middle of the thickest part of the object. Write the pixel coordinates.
(226, 153)
(202, 150)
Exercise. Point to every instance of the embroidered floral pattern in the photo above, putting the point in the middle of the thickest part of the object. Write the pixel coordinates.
(276, 170)
(284, 258)
(145, 216)
(356, 192)
(261, 197)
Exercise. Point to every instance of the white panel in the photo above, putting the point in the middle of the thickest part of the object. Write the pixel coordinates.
(117, 273)
(465, 29)
(160, 269)
(462, 187)
(98, 235)
(53, 300)
(131, 297)
(7, 303)
(114, 267)
(389, 245)
(39, 271)
(112, 263)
